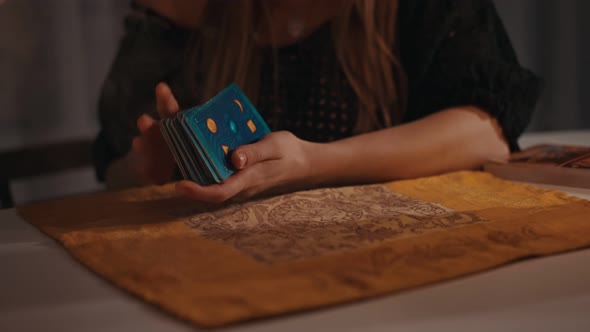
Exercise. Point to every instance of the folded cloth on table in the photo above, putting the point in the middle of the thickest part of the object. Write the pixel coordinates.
(218, 265)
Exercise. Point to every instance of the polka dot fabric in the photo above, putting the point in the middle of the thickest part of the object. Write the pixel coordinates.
(316, 103)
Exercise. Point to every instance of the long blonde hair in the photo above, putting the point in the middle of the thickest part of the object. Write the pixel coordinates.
(364, 39)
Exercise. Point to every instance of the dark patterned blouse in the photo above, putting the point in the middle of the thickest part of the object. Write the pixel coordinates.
(454, 52)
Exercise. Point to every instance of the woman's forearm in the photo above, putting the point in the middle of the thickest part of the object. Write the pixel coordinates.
(453, 139)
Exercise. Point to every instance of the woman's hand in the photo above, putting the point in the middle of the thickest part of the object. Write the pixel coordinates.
(278, 162)
(150, 156)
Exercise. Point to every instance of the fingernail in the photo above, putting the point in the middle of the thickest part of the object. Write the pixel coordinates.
(241, 159)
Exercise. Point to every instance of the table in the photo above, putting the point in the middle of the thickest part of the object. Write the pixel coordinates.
(43, 288)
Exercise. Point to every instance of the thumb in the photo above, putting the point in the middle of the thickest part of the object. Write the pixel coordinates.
(145, 122)
(250, 154)
(166, 103)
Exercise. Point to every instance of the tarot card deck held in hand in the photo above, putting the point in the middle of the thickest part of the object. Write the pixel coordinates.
(202, 138)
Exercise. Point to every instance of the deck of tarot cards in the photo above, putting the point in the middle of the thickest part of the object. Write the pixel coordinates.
(202, 138)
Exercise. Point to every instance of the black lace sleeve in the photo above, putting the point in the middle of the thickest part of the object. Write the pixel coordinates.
(150, 52)
(456, 52)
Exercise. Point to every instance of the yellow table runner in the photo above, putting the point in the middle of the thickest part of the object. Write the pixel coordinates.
(214, 266)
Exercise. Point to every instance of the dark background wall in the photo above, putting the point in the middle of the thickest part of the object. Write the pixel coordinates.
(551, 38)
(55, 54)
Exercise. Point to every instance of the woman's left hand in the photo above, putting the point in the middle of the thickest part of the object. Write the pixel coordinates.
(278, 162)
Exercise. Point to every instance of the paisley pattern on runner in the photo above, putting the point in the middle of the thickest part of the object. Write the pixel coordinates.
(317, 222)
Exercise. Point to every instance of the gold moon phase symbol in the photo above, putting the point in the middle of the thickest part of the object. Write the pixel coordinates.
(211, 125)
(239, 105)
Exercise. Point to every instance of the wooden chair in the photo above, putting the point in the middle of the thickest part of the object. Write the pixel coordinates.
(40, 160)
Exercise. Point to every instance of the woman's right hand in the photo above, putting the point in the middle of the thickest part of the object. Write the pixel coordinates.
(150, 156)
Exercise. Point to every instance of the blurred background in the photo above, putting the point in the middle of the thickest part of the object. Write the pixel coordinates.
(55, 54)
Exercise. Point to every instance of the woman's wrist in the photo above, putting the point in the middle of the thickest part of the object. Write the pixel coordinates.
(329, 164)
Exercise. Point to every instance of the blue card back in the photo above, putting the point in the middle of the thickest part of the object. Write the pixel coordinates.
(226, 122)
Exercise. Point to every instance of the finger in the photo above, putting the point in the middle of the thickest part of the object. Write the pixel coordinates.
(239, 182)
(259, 178)
(150, 129)
(136, 144)
(250, 154)
(166, 103)
(216, 193)
(145, 123)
